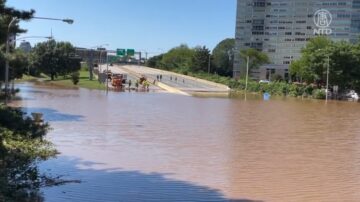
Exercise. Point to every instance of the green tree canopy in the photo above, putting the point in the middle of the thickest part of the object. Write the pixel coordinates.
(55, 58)
(19, 62)
(342, 57)
(256, 58)
(200, 59)
(155, 61)
(178, 58)
(223, 57)
(6, 16)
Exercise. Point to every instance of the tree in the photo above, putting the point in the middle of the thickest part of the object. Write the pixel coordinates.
(178, 58)
(154, 61)
(256, 58)
(301, 71)
(223, 57)
(19, 62)
(342, 57)
(345, 65)
(200, 59)
(54, 58)
(312, 64)
(6, 15)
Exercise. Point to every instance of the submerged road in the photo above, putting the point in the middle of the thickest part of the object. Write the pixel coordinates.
(171, 81)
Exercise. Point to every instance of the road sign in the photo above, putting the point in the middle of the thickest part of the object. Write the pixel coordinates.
(120, 52)
(130, 52)
(112, 58)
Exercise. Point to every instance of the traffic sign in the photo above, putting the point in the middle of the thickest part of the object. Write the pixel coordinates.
(130, 52)
(120, 52)
(112, 58)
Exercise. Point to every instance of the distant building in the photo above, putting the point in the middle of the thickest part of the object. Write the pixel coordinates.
(281, 28)
(25, 46)
(90, 55)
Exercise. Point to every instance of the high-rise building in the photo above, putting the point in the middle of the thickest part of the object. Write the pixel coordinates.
(281, 28)
(25, 46)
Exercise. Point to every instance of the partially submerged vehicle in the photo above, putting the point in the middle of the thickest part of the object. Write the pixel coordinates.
(352, 96)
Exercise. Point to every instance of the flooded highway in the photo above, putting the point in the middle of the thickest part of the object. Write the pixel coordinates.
(165, 147)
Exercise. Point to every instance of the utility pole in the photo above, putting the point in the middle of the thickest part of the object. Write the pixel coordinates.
(247, 73)
(139, 59)
(327, 77)
(14, 20)
(209, 65)
(107, 71)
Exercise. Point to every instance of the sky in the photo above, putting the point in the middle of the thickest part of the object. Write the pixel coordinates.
(154, 26)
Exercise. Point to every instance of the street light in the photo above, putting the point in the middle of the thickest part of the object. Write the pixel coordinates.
(247, 73)
(34, 37)
(100, 46)
(327, 76)
(15, 20)
(69, 21)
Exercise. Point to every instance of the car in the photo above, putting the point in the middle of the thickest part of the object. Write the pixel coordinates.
(264, 81)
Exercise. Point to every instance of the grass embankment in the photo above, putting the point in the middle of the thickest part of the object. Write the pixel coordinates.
(84, 82)
(280, 88)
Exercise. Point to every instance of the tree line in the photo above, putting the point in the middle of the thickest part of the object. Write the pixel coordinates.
(198, 59)
(341, 57)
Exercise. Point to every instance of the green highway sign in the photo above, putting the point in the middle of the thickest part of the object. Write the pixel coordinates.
(130, 52)
(120, 52)
(113, 58)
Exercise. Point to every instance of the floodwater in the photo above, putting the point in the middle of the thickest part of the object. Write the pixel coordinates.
(164, 147)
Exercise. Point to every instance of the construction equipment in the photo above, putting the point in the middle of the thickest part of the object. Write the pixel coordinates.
(117, 80)
(142, 79)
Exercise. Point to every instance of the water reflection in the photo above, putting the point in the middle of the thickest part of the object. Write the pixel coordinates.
(280, 150)
(122, 185)
(53, 115)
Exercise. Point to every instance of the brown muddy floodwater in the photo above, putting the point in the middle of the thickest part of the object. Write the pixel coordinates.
(164, 147)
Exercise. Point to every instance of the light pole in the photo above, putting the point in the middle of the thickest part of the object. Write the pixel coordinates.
(209, 65)
(247, 73)
(101, 50)
(327, 76)
(107, 72)
(14, 20)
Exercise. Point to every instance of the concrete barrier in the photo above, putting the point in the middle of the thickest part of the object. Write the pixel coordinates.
(225, 87)
(159, 84)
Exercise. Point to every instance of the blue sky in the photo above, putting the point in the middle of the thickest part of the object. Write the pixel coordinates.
(147, 25)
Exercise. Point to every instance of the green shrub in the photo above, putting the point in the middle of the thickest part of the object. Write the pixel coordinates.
(22, 146)
(319, 94)
(75, 77)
